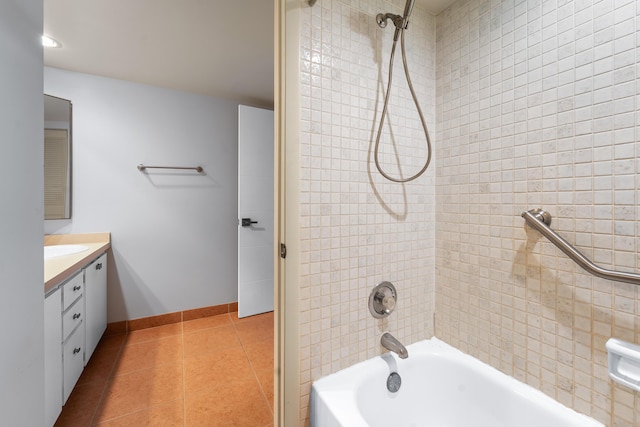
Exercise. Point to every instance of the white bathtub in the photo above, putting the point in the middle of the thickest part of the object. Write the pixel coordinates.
(441, 387)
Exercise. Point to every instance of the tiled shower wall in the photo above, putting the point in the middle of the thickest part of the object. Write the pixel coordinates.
(538, 108)
(356, 229)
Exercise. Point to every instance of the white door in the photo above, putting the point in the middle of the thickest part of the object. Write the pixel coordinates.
(255, 211)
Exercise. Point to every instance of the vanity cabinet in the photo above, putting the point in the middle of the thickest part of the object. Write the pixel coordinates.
(73, 333)
(72, 361)
(52, 356)
(95, 286)
(75, 319)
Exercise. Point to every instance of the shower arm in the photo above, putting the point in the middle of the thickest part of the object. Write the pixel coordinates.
(540, 220)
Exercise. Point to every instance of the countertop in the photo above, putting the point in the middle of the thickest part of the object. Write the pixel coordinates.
(58, 269)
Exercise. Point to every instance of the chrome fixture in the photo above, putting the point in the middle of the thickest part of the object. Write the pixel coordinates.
(394, 382)
(142, 167)
(398, 21)
(389, 342)
(540, 220)
(382, 300)
(401, 23)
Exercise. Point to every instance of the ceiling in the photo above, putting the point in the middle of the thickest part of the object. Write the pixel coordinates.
(221, 48)
(435, 6)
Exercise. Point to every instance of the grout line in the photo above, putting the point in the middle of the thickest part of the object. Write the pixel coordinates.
(147, 408)
(184, 401)
(114, 373)
(255, 375)
(108, 381)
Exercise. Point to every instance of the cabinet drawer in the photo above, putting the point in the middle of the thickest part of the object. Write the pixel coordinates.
(72, 362)
(72, 318)
(72, 290)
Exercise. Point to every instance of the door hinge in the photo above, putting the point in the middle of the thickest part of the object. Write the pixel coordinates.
(283, 250)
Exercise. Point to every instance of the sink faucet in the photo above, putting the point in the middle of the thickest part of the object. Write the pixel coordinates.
(389, 342)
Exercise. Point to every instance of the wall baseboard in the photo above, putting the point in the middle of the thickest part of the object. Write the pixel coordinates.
(126, 326)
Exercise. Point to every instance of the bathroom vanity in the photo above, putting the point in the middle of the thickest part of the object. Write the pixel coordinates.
(75, 311)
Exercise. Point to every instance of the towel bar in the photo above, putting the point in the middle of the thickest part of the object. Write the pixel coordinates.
(142, 167)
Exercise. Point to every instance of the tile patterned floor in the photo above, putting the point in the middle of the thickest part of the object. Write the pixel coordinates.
(214, 371)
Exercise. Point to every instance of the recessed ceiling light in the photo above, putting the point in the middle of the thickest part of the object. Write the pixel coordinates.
(48, 41)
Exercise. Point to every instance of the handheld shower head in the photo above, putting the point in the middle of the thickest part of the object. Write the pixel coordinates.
(400, 22)
(408, 8)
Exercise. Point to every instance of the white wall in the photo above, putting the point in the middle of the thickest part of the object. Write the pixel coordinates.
(21, 212)
(173, 233)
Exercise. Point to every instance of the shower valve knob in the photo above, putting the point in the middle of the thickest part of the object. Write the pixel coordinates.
(389, 303)
(382, 300)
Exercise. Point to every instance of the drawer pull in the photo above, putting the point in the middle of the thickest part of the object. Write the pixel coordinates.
(99, 266)
(77, 288)
(76, 316)
(76, 350)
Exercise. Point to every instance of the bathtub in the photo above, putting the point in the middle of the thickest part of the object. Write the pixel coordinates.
(440, 387)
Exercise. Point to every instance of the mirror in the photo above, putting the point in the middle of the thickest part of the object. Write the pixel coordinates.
(57, 158)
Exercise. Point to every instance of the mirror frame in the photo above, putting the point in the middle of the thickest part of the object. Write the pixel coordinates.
(69, 186)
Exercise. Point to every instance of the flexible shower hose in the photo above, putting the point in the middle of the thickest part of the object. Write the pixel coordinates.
(384, 113)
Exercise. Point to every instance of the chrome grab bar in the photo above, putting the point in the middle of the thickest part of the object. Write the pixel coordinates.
(142, 168)
(540, 220)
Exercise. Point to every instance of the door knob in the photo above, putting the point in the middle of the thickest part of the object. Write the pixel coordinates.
(246, 222)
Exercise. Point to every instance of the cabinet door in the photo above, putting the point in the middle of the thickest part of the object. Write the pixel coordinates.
(72, 361)
(95, 288)
(52, 357)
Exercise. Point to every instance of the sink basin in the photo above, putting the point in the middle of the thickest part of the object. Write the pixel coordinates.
(62, 250)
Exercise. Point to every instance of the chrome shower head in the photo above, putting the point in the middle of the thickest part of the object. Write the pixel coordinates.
(382, 18)
(400, 22)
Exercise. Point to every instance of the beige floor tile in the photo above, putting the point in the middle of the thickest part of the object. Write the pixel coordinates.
(146, 354)
(108, 341)
(211, 371)
(140, 390)
(239, 404)
(155, 333)
(206, 323)
(166, 415)
(266, 376)
(100, 365)
(225, 367)
(210, 341)
(260, 353)
(256, 328)
(81, 405)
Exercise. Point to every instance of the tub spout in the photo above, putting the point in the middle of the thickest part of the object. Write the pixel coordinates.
(390, 342)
